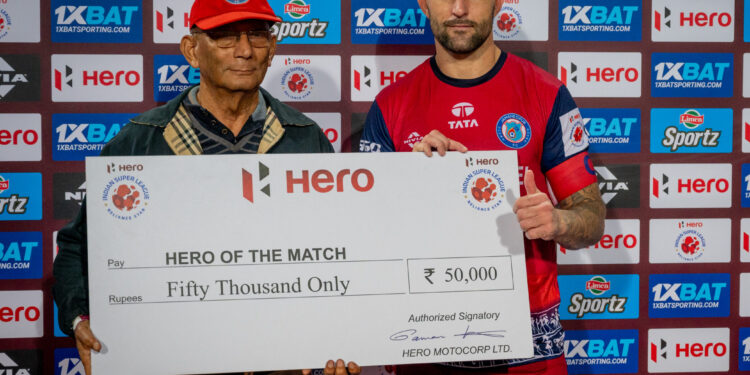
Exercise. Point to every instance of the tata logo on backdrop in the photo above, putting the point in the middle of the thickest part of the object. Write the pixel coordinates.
(688, 350)
(389, 22)
(87, 21)
(691, 186)
(600, 20)
(371, 74)
(67, 362)
(20, 255)
(602, 351)
(307, 21)
(171, 20)
(691, 130)
(21, 314)
(693, 75)
(598, 296)
(20, 196)
(693, 21)
(19, 78)
(690, 240)
(601, 74)
(97, 78)
(21, 137)
(77, 135)
(620, 244)
(691, 295)
(19, 21)
(613, 130)
(172, 75)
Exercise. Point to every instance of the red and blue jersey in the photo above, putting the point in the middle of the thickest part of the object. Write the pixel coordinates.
(515, 106)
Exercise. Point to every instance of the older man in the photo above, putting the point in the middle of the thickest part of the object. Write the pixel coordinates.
(514, 106)
(228, 112)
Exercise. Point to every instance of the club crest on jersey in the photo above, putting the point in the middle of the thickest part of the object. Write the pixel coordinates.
(513, 130)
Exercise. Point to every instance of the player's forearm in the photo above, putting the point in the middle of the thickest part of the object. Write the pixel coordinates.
(581, 219)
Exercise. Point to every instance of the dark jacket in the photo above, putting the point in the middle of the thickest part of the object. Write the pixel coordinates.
(166, 130)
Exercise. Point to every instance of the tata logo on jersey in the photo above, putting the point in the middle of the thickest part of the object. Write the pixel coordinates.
(691, 185)
(689, 295)
(683, 21)
(97, 78)
(598, 296)
(67, 362)
(371, 74)
(389, 22)
(462, 113)
(601, 351)
(620, 244)
(688, 350)
(21, 314)
(172, 75)
(20, 196)
(606, 74)
(307, 22)
(94, 22)
(701, 130)
(592, 20)
(20, 255)
(692, 74)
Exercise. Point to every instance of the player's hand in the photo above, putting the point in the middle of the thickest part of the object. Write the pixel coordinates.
(435, 140)
(536, 214)
(338, 368)
(85, 342)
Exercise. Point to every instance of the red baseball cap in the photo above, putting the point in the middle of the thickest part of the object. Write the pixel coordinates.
(208, 14)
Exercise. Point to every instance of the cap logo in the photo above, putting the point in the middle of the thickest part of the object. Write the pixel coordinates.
(236, 2)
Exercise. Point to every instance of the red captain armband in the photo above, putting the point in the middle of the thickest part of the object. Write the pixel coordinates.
(571, 176)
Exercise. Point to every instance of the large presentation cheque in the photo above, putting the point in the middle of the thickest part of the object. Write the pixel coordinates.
(209, 264)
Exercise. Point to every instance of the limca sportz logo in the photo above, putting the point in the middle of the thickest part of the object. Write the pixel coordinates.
(598, 296)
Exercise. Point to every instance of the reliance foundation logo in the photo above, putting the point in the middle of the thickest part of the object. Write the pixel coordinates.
(691, 185)
(688, 350)
(602, 21)
(483, 189)
(689, 295)
(696, 21)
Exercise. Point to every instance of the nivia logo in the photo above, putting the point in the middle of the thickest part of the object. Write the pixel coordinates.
(745, 191)
(19, 21)
(691, 295)
(619, 185)
(690, 240)
(598, 296)
(600, 20)
(688, 350)
(26, 319)
(248, 185)
(691, 185)
(744, 349)
(20, 255)
(307, 21)
(67, 362)
(77, 135)
(371, 74)
(97, 78)
(20, 196)
(20, 136)
(693, 75)
(620, 244)
(601, 74)
(389, 22)
(696, 21)
(691, 130)
(522, 20)
(613, 130)
(172, 75)
(68, 192)
(602, 351)
(21, 362)
(87, 21)
(19, 78)
(171, 20)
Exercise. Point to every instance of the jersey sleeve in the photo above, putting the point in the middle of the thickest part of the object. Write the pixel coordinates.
(565, 159)
(375, 136)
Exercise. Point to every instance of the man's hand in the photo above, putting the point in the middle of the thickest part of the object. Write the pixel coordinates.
(338, 368)
(537, 216)
(437, 141)
(85, 341)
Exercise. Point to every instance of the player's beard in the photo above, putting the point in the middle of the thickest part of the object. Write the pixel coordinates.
(462, 45)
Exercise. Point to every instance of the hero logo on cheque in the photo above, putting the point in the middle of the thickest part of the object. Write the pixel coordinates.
(125, 197)
(483, 189)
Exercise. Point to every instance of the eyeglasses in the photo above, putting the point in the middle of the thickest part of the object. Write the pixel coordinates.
(230, 38)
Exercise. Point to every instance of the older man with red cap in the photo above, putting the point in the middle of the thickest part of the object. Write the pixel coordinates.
(227, 113)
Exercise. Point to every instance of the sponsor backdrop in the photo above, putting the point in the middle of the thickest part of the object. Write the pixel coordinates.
(663, 88)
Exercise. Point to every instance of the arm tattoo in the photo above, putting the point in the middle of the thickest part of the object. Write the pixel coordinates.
(581, 218)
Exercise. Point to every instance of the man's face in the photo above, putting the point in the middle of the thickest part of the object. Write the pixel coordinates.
(461, 26)
(240, 67)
